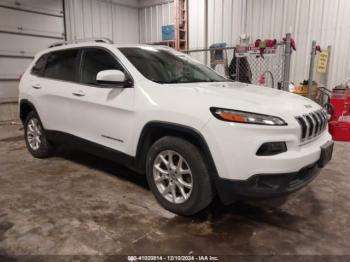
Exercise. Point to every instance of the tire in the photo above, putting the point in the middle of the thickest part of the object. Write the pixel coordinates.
(33, 130)
(162, 177)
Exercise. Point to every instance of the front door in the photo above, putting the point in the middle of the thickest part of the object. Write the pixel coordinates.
(103, 114)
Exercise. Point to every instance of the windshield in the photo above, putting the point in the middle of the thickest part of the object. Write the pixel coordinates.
(169, 66)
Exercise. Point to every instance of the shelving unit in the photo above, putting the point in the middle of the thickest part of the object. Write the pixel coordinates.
(180, 24)
(180, 40)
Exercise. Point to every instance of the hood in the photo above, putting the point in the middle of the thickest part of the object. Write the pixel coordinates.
(251, 98)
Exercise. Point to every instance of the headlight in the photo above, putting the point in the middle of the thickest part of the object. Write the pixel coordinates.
(246, 117)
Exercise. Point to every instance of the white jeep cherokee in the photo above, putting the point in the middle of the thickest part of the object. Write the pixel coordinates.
(193, 132)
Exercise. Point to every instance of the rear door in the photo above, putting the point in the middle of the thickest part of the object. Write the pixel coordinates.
(103, 114)
(53, 88)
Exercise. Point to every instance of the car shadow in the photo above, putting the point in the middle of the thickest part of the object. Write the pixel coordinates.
(102, 164)
(253, 212)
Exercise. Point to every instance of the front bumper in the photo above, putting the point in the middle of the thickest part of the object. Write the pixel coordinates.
(241, 173)
(265, 185)
(234, 146)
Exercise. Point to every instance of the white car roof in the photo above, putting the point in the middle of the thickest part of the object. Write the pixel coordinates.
(92, 43)
(65, 46)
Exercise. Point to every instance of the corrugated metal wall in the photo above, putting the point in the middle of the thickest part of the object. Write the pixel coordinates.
(196, 24)
(226, 20)
(133, 21)
(323, 20)
(25, 28)
(117, 20)
(124, 21)
(196, 28)
(153, 15)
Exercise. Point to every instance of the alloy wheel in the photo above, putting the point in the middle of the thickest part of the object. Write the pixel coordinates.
(173, 176)
(34, 134)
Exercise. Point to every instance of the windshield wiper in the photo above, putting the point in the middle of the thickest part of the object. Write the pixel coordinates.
(174, 81)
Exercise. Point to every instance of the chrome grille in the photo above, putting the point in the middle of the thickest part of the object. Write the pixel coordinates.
(312, 124)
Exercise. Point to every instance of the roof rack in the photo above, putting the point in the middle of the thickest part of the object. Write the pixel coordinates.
(99, 40)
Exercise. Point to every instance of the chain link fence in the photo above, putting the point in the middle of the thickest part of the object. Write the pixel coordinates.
(265, 69)
(248, 65)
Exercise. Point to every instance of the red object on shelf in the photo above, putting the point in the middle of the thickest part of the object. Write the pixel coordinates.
(339, 125)
(263, 44)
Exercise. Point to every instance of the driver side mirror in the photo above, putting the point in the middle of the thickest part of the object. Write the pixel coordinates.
(113, 77)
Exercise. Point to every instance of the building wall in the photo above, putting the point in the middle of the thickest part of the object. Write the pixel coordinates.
(116, 19)
(196, 24)
(226, 21)
(325, 21)
(124, 21)
(153, 14)
(29, 26)
(322, 20)
(25, 28)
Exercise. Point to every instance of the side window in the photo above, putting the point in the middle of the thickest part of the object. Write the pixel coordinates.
(94, 61)
(62, 65)
(38, 68)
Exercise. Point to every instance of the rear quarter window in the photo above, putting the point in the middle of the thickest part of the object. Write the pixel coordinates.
(39, 66)
(62, 65)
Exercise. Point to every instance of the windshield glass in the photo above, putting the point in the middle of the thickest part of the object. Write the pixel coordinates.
(163, 65)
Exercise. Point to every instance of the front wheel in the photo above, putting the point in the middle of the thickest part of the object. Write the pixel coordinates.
(35, 137)
(178, 176)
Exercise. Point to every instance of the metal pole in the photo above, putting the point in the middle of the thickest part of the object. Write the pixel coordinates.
(177, 24)
(207, 49)
(287, 60)
(311, 69)
(64, 20)
(328, 84)
(206, 30)
(237, 77)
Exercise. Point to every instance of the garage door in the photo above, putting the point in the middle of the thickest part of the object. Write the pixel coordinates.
(26, 27)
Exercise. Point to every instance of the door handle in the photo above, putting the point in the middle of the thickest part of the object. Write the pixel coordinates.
(78, 93)
(36, 86)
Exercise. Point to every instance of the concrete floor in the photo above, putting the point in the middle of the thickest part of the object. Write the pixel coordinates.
(75, 203)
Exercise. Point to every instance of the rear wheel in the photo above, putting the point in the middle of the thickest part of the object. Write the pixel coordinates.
(35, 137)
(178, 176)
